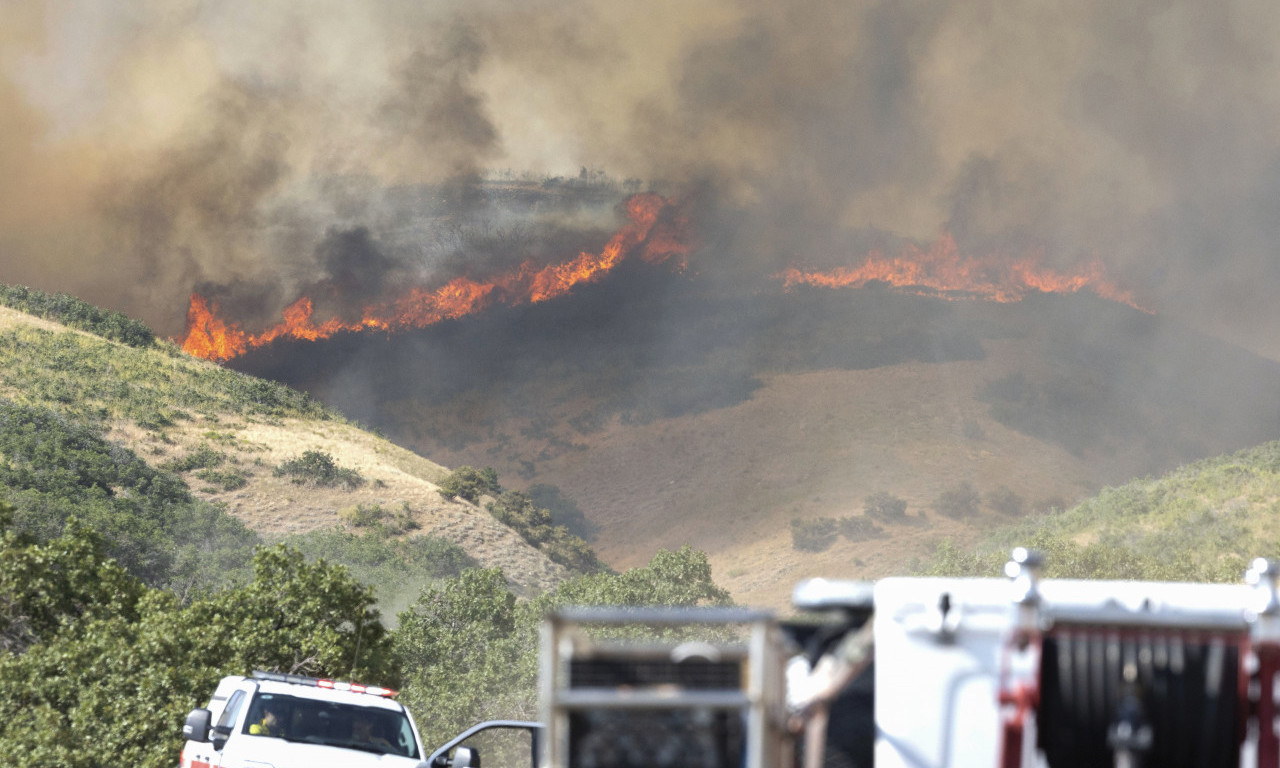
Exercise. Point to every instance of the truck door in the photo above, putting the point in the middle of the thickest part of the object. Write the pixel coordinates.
(226, 726)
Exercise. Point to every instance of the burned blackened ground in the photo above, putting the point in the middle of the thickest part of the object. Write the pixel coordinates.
(1119, 388)
(645, 344)
(1111, 381)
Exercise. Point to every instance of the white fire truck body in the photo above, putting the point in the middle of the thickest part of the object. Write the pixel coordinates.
(946, 657)
(315, 724)
(1012, 673)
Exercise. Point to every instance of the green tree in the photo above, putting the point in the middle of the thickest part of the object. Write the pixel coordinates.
(470, 483)
(516, 510)
(1005, 501)
(110, 667)
(885, 506)
(319, 468)
(43, 587)
(959, 501)
(813, 535)
(468, 648)
(673, 578)
(468, 654)
(75, 313)
(298, 617)
(564, 511)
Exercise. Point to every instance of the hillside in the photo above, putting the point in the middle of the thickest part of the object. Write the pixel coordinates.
(801, 448)
(1204, 521)
(673, 411)
(225, 432)
(120, 586)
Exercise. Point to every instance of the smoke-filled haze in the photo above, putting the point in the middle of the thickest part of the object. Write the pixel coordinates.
(259, 151)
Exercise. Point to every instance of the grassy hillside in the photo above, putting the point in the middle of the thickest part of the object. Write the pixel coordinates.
(146, 442)
(136, 487)
(1202, 522)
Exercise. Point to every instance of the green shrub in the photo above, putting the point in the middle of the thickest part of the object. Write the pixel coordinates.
(885, 506)
(857, 528)
(404, 520)
(363, 515)
(517, 511)
(1006, 502)
(470, 483)
(319, 468)
(224, 479)
(112, 666)
(155, 421)
(396, 568)
(93, 380)
(563, 510)
(53, 468)
(958, 502)
(813, 535)
(203, 457)
(468, 648)
(74, 313)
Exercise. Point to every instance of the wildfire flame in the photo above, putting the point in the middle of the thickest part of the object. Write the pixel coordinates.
(655, 232)
(943, 271)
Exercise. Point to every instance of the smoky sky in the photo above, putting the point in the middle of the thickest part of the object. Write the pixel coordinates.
(149, 148)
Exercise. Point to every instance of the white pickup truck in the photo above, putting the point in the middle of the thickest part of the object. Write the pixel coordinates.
(271, 720)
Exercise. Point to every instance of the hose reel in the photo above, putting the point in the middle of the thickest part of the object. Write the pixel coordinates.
(1151, 685)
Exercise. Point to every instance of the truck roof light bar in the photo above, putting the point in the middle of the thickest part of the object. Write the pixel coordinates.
(334, 685)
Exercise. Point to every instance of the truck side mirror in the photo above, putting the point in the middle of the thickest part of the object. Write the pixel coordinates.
(466, 757)
(220, 735)
(197, 726)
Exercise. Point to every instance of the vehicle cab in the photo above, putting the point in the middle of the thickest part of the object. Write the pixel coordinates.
(271, 720)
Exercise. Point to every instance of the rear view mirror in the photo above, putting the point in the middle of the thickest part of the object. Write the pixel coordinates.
(197, 726)
(466, 757)
(219, 735)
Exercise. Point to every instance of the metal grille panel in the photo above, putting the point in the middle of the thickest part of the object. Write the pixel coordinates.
(691, 674)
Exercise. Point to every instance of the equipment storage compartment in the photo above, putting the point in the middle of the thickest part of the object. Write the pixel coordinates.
(988, 672)
(656, 687)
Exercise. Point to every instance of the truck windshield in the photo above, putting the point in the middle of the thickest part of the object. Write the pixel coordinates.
(371, 729)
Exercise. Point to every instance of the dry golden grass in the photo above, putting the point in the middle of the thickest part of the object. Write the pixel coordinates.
(727, 481)
(10, 318)
(397, 478)
(806, 445)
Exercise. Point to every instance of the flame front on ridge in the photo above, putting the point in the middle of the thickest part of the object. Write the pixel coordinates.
(655, 237)
(942, 271)
(655, 232)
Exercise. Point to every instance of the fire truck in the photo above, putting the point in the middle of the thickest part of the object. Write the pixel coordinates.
(291, 721)
(1015, 672)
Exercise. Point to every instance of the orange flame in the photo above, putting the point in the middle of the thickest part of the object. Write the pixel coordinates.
(942, 271)
(653, 223)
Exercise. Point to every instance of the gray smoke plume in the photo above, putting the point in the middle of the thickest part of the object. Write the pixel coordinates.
(149, 147)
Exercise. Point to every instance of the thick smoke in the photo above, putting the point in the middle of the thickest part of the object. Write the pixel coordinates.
(149, 148)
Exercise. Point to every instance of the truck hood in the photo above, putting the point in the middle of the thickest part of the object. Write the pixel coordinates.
(276, 753)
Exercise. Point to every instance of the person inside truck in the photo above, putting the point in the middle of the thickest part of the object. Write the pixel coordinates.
(270, 724)
(362, 732)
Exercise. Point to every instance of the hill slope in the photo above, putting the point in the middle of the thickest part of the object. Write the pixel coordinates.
(1204, 521)
(220, 429)
(674, 412)
(807, 445)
